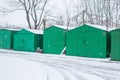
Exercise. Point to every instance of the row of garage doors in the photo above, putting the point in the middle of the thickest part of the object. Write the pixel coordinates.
(86, 41)
(21, 40)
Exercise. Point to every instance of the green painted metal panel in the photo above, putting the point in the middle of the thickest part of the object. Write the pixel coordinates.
(5, 39)
(53, 40)
(87, 41)
(27, 41)
(12, 36)
(24, 42)
(115, 44)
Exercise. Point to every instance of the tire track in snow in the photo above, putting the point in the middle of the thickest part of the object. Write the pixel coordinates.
(88, 76)
(107, 74)
(90, 71)
(67, 75)
(50, 76)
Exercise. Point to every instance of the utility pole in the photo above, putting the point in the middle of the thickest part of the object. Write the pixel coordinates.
(83, 16)
(108, 14)
(44, 24)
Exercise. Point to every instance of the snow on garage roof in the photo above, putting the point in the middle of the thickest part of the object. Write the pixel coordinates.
(35, 31)
(14, 29)
(11, 29)
(64, 27)
(102, 27)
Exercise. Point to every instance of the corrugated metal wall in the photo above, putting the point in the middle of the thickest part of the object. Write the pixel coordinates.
(86, 41)
(115, 44)
(54, 40)
(5, 39)
(26, 41)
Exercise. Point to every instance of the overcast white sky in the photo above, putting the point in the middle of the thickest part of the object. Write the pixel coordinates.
(18, 18)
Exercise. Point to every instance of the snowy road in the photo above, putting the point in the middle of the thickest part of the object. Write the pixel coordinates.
(71, 68)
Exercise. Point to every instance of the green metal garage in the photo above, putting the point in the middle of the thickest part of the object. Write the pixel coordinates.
(88, 41)
(6, 38)
(54, 39)
(28, 40)
(115, 44)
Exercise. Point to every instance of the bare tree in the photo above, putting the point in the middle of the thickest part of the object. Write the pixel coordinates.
(67, 14)
(101, 12)
(66, 17)
(34, 10)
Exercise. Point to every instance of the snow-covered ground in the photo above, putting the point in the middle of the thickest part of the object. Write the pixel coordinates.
(16, 65)
(20, 69)
(12, 68)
